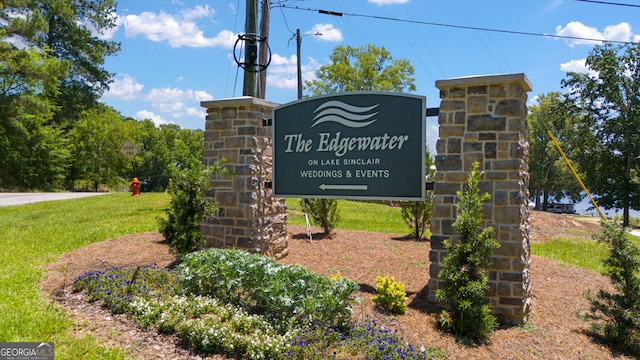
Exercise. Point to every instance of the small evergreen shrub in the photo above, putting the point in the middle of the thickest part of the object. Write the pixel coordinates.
(616, 316)
(390, 295)
(417, 214)
(286, 295)
(464, 269)
(188, 207)
(324, 213)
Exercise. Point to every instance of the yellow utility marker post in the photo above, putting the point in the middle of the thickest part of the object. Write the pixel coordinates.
(575, 174)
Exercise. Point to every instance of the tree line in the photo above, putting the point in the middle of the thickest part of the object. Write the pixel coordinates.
(597, 122)
(54, 132)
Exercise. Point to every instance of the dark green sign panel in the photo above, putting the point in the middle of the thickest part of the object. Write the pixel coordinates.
(358, 145)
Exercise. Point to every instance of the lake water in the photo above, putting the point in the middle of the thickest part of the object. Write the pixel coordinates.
(583, 207)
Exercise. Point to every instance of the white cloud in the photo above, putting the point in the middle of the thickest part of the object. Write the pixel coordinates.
(197, 12)
(578, 66)
(164, 102)
(326, 33)
(105, 34)
(196, 112)
(388, 2)
(619, 32)
(124, 87)
(157, 119)
(177, 30)
(283, 72)
(177, 102)
(200, 95)
(534, 101)
(16, 41)
(281, 60)
(552, 5)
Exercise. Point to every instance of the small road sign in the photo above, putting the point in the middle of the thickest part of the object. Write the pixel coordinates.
(129, 149)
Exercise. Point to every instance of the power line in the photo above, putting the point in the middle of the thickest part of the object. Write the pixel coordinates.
(513, 32)
(609, 3)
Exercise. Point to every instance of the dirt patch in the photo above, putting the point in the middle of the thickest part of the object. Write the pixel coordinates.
(553, 330)
(545, 226)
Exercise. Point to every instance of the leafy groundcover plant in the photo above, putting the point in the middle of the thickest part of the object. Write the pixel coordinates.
(286, 295)
(238, 304)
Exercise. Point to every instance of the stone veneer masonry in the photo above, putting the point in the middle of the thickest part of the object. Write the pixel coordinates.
(249, 217)
(484, 119)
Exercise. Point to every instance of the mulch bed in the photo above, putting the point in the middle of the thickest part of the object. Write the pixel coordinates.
(552, 332)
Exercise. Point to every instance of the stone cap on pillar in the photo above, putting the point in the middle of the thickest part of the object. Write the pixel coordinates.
(243, 100)
(519, 78)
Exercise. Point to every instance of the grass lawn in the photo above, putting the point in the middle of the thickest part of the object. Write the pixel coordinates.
(583, 252)
(32, 235)
(358, 215)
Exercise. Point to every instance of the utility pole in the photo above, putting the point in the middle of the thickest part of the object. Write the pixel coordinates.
(251, 49)
(298, 43)
(264, 47)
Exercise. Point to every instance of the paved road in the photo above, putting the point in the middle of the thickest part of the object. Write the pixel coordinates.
(9, 199)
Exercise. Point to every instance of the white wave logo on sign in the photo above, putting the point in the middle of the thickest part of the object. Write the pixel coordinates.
(345, 114)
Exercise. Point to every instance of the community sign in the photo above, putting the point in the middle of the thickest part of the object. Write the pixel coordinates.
(355, 145)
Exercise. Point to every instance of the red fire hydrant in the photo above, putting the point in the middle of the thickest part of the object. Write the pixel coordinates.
(135, 187)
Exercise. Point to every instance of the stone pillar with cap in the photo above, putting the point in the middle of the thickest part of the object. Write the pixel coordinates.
(484, 119)
(249, 217)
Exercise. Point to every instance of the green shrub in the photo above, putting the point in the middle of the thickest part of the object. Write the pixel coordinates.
(464, 269)
(616, 316)
(324, 213)
(286, 295)
(390, 295)
(417, 214)
(188, 207)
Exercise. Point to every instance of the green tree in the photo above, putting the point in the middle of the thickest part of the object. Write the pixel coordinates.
(73, 33)
(32, 156)
(26, 78)
(96, 140)
(155, 161)
(51, 61)
(464, 269)
(608, 135)
(360, 69)
(69, 31)
(616, 316)
(163, 149)
(417, 214)
(550, 177)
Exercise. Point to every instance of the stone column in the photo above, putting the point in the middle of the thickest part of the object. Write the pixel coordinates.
(249, 217)
(484, 119)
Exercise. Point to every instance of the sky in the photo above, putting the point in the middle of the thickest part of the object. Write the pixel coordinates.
(177, 53)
